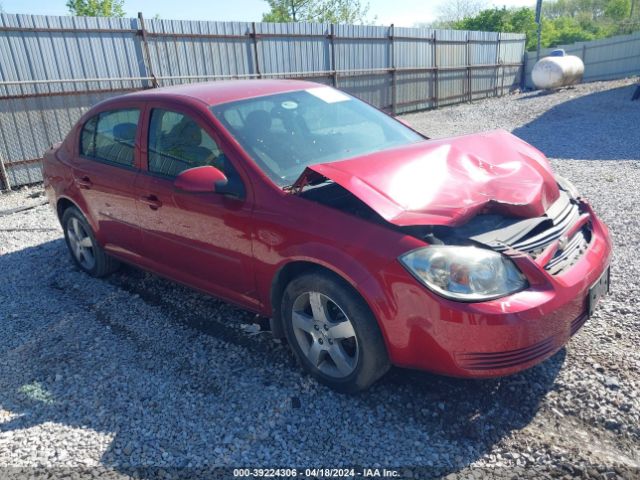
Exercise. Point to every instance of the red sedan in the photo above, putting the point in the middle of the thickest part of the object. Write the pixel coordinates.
(366, 243)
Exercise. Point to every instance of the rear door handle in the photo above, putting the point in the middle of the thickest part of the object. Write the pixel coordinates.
(84, 183)
(152, 201)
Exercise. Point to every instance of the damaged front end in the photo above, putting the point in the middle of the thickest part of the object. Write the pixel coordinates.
(490, 256)
(555, 240)
(483, 204)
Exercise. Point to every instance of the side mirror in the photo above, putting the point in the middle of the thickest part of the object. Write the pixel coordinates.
(206, 179)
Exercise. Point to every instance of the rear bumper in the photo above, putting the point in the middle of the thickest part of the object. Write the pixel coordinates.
(497, 337)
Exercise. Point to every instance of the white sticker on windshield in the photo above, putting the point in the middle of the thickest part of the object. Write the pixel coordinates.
(289, 105)
(328, 94)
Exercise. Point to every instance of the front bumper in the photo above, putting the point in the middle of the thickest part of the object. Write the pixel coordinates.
(497, 337)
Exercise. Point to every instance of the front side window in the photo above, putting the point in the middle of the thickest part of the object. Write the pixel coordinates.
(177, 143)
(111, 136)
(287, 132)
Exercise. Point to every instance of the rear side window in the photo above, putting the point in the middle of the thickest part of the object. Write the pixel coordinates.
(110, 136)
(177, 143)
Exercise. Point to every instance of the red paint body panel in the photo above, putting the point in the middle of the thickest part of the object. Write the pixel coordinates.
(449, 181)
(428, 332)
(234, 247)
(214, 93)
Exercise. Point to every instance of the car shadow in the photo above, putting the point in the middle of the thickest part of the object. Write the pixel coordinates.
(480, 412)
(123, 355)
(581, 128)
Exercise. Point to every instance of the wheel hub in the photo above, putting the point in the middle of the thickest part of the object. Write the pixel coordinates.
(323, 335)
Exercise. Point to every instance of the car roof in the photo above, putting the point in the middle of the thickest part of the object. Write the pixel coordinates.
(214, 93)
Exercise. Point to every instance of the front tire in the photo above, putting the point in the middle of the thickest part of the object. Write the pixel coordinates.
(85, 251)
(332, 333)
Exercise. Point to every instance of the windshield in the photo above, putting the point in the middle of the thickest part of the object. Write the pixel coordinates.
(287, 132)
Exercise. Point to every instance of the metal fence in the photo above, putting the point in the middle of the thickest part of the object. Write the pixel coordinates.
(53, 68)
(605, 59)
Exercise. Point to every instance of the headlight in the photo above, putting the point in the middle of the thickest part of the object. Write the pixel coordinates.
(464, 273)
(567, 186)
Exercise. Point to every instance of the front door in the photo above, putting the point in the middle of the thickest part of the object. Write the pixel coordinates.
(203, 239)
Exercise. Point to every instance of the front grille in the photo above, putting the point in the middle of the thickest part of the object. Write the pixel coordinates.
(563, 213)
(570, 254)
(561, 216)
(506, 359)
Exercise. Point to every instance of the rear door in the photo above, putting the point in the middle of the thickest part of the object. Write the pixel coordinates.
(104, 172)
(203, 239)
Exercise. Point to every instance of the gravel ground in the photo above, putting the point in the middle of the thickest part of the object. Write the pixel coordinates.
(135, 376)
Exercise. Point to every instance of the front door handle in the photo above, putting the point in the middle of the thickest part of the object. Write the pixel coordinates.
(84, 183)
(152, 201)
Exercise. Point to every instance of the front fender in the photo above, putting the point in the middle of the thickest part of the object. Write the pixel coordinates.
(331, 258)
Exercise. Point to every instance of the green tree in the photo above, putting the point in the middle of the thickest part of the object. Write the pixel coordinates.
(286, 10)
(618, 9)
(563, 21)
(591, 9)
(330, 11)
(564, 30)
(523, 20)
(518, 20)
(96, 8)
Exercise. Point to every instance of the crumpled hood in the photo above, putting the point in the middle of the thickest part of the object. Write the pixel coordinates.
(447, 181)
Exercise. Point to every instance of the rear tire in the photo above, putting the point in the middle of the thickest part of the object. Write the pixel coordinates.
(332, 332)
(85, 251)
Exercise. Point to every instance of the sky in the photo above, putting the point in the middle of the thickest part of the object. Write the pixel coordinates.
(402, 13)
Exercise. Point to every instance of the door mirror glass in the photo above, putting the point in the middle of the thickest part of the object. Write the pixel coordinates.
(206, 179)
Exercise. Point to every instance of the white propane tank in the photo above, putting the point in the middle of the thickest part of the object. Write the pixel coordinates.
(557, 70)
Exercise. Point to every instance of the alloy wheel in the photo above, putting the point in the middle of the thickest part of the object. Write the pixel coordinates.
(81, 244)
(325, 334)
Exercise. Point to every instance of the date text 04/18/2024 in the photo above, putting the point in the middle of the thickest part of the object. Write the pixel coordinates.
(315, 472)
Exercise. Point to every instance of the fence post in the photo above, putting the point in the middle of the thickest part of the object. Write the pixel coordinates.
(334, 70)
(468, 56)
(4, 177)
(394, 88)
(497, 71)
(254, 36)
(145, 49)
(523, 77)
(434, 56)
(584, 57)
